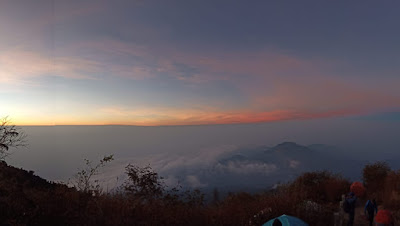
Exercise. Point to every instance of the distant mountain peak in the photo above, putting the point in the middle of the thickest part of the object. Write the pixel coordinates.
(288, 144)
(289, 147)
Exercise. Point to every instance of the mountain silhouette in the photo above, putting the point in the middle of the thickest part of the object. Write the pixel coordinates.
(262, 167)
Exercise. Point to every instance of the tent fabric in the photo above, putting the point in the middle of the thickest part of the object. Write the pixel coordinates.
(287, 221)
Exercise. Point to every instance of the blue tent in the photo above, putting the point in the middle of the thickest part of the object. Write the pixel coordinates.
(287, 221)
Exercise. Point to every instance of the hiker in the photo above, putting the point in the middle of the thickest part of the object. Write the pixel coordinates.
(370, 210)
(384, 218)
(341, 210)
(349, 207)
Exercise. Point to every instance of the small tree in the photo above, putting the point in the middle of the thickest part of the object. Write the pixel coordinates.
(84, 178)
(10, 136)
(193, 198)
(374, 175)
(319, 186)
(143, 183)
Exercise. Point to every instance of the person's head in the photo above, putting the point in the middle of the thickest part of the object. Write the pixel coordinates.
(277, 222)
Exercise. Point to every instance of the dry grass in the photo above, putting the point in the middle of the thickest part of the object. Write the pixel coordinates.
(27, 199)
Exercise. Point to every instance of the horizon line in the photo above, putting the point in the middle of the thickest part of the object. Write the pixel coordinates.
(199, 124)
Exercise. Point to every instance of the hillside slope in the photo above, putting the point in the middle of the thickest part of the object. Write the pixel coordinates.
(28, 199)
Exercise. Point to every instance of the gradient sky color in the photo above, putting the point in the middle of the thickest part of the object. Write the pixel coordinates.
(196, 62)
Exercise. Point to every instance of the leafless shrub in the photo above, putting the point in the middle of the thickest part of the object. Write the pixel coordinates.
(84, 178)
(10, 136)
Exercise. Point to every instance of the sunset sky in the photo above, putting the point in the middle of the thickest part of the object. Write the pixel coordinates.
(196, 62)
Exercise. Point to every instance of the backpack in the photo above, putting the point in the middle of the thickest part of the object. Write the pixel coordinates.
(346, 206)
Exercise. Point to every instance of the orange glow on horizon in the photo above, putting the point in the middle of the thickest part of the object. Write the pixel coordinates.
(190, 119)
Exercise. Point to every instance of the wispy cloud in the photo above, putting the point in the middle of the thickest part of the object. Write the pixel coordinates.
(203, 67)
(246, 167)
(19, 65)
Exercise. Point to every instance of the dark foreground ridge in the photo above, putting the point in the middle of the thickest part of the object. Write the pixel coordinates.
(27, 199)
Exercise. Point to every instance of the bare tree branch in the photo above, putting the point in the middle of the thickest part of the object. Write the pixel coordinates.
(10, 136)
(84, 178)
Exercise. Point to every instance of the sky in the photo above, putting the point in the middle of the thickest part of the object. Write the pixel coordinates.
(172, 62)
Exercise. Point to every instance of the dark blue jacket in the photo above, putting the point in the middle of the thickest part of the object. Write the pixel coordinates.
(373, 205)
(352, 203)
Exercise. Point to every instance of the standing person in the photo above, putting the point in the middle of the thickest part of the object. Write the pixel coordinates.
(384, 218)
(350, 207)
(341, 210)
(370, 210)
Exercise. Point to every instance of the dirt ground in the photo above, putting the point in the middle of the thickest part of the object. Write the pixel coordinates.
(360, 219)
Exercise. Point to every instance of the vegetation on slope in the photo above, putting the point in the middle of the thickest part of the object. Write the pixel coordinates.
(144, 200)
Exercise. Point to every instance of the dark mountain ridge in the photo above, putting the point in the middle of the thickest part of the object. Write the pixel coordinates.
(262, 166)
(27, 198)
